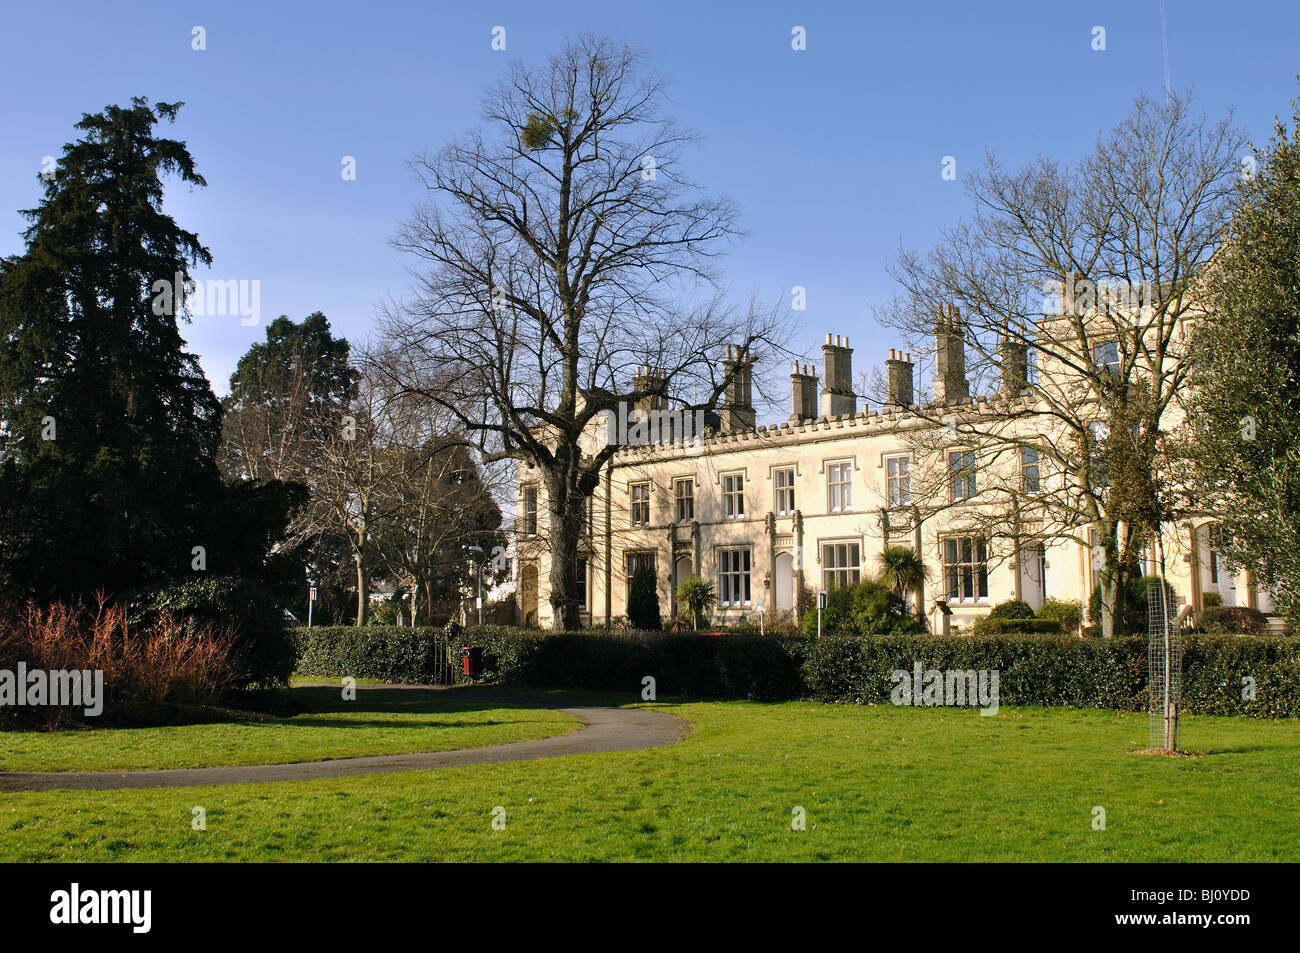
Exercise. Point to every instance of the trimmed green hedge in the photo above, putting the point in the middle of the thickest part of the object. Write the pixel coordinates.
(407, 654)
(722, 666)
(1016, 625)
(1076, 673)
(1049, 670)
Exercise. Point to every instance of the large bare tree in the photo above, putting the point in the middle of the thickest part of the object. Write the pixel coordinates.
(1067, 295)
(560, 247)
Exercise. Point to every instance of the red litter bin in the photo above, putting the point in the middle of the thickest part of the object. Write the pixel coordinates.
(471, 658)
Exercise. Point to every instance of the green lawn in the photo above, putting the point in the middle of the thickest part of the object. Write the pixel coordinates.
(876, 783)
(377, 722)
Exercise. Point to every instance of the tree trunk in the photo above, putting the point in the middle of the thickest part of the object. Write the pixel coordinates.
(1109, 582)
(363, 588)
(565, 532)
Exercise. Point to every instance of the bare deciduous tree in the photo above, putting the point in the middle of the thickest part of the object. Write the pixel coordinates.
(559, 250)
(1068, 296)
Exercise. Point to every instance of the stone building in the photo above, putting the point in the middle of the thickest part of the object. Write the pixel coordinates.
(809, 502)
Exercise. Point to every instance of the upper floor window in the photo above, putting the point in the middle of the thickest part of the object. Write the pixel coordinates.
(839, 484)
(530, 511)
(961, 473)
(1029, 470)
(840, 564)
(640, 504)
(898, 475)
(1106, 355)
(733, 496)
(684, 496)
(966, 568)
(733, 577)
(783, 480)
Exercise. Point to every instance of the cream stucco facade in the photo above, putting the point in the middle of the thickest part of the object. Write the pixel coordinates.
(813, 500)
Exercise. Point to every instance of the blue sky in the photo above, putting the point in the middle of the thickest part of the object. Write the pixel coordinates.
(833, 153)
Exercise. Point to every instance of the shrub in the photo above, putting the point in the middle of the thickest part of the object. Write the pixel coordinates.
(1133, 617)
(1211, 599)
(726, 666)
(420, 655)
(169, 662)
(1068, 612)
(1042, 669)
(1234, 620)
(264, 646)
(697, 596)
(836, 618)
(1012, 609)
(1016, 626)
(643, 600)
(1061, 671)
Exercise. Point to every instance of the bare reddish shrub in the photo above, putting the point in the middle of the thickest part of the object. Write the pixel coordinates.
(169, 662)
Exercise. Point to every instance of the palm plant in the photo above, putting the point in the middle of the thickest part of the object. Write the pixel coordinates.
(697, 596)
(902, 569)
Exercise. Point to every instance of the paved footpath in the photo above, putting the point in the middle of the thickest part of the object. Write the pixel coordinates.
(604, 729)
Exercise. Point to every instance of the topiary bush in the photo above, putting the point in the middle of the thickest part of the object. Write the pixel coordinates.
(1012, 609)
(1211, 599)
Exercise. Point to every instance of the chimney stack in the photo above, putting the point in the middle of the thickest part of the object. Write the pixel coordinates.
(650, 388)
(898, 376)
(737, 399)
(803, 393)
(837, 395)
(950, 357)
(1014, 354)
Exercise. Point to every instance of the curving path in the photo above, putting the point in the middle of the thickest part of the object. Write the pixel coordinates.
(603, 729)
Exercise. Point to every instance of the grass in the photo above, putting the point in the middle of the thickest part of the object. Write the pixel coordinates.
(377, 722)
(877, 783)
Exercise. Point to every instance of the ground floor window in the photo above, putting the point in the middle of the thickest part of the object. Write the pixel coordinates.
(733, 577)
(582, 583)
(840, 564)
(636, 560)
(965, 566)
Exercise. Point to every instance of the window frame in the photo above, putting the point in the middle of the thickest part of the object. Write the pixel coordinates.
(963, 476)
(844, 469)
(688, 498)
(733, 495)
(530, 518)
(739, 577)
(641, 505)
(852, 573)
(955, 575)
(901, 482)
(780, 492)
(1026, 467)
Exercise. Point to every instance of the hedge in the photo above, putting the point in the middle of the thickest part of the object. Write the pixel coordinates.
(408, 655)
(1048, 670)
(722, 666)
(1016, 625)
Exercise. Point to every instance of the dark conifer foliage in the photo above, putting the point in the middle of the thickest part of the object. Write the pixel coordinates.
(109, 479)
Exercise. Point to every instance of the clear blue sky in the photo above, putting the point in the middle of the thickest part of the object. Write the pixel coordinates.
(833, 153)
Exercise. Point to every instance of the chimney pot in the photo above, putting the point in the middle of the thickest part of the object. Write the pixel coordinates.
(828, 337)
